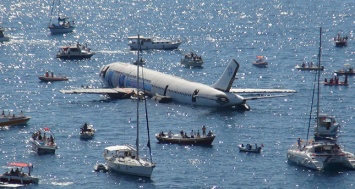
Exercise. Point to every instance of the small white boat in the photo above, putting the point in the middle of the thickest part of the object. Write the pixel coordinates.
(260, 62)
(43, 144)
(8, 120)
(15, 177)
(250, 148)
(77, 51)
(192, 60)
(101, 167)
(87, 131)
(148, 43)
(3, 38)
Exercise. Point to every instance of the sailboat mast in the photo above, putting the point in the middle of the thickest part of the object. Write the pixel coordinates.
(50, 20)
(318, 75)
(137, 139)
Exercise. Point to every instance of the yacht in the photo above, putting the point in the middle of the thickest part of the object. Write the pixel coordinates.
(148, 43)
(77, 51)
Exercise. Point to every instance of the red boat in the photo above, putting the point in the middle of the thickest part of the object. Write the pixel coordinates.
(335, 82)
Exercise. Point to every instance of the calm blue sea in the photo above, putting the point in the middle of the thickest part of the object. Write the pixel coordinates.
(285, 32)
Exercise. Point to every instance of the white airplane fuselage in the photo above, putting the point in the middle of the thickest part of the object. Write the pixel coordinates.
(124, 75)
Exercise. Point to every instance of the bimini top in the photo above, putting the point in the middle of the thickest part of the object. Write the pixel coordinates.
(19, 164)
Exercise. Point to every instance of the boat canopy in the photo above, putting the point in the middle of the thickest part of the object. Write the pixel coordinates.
(19, 164)
(136, 37)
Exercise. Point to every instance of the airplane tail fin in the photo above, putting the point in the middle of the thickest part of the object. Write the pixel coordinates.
(225, 82)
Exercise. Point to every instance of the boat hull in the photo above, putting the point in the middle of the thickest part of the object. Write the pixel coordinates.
(192, 63)
(207, 141)
(11, 179)
(72, 57)
(87, 136)
(41, 148)
(61, 30)
(166, 46)
(4, 39)
(143, 171)
(341, 43)
(309, 68)
(253, 150)
(261, 65)
(5, 121)
(47, 79)
(344, 73)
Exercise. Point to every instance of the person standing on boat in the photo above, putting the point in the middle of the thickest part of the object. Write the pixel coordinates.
(204, 130)
(299, 142)
(192, 134)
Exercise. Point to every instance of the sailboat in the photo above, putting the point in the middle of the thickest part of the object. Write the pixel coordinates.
(125, 158)
(64, 24)
(323, 151)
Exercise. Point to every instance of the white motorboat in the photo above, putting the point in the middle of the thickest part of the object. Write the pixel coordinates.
(3, 38)
(192, 60)
(125, 158)
(249, 148)
(8, 120)
(15, 177)
(324, 151)
(64, 24)
(101, 167)
(87, 131)
(260, 62)
(43, 144)
(148, 43)
(77, 51)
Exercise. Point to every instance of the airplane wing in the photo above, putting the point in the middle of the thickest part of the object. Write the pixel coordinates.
(262, 93)
(112, 92)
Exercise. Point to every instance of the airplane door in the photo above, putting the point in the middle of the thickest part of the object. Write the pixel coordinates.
(166, 88)
(194, 95)
(103, 72)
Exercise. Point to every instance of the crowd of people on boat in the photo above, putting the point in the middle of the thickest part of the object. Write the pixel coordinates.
(193, 134)
(13, 115)
(308, 64)
(46, 140)
(193, 56)
(339, 38)
(17, 172)
(335, 81)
